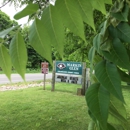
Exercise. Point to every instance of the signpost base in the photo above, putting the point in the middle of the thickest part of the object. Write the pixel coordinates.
(44, 70)
(44, 81)
(53, 77)
(79, 91)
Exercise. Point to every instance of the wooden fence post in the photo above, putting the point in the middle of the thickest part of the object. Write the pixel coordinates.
(83, 78)
(53, 76)
(87, 78)
(44, 81)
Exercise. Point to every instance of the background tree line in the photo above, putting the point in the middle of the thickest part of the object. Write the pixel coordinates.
(75, 49)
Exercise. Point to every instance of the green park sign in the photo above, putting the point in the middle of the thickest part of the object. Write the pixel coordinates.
(66, 67)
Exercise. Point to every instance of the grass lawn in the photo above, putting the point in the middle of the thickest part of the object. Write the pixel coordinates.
(38, 109)
(126, 93)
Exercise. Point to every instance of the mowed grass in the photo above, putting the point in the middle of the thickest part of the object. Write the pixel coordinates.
(126, 93)
(38, 109)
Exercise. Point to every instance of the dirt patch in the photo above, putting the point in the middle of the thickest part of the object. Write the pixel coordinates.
(8, 87)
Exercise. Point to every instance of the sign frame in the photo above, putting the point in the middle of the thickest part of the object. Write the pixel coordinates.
(44, 68)
(69, 67)
(83, 75)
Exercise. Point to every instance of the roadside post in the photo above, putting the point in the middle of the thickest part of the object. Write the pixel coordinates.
(83, 78)
(44, 70)
(53, 76)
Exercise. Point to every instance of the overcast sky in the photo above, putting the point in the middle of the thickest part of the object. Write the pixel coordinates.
(11, 11)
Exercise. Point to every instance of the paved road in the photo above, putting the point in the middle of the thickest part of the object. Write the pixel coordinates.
(29, 77)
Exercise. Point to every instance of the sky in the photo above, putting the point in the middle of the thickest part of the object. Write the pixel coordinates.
(11, 11)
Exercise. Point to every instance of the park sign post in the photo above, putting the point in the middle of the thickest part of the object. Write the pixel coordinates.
(44, 70)
(67, 67)
(69, 72)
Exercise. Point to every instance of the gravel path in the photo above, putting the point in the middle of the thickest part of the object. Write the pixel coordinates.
(8, 87)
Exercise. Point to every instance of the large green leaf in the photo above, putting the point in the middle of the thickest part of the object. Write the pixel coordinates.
(97, 41)
(118, 54)
(6, 31)
(54, 27)
(86, 12)
(110, 127)
(118, 106)
(40, 40)
(106, 46)
(108, 1)
(91, 125)
(104, 29)
(5, 61)
(18, 53)
(97, 98)
(92, 116)
(28, 10)
(70, 16)
(99, 5)
(123, 14)
(108, 76)
(124, 77)
(117, 112)
(97, 58)
(122, 31)
(113, 31)
(91, 55)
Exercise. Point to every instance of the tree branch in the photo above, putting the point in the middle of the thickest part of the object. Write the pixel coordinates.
(4, 4)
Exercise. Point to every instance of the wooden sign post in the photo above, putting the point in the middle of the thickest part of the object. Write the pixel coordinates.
(53, 76)
(44, 70)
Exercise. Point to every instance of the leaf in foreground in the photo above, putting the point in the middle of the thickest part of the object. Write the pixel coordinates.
(122, 15)
(5, 61)
(108, 76)
(91, 55)
(28, 10)
(54, 27)
(98, 98)
(118, 54)
(117, 112)
(124, 76)
(91, 125)
(122, 31)
(86, 10)
(110, 127)
(18, 53)
(99, 5)
(71, 17)
(40, 40)
(6, 31)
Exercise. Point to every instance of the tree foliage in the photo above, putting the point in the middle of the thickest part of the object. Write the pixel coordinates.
(34, 59)
(5, 21)
(104, 97)
(5, 39)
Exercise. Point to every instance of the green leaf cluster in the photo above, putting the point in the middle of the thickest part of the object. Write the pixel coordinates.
(48, 29)
(111, 45)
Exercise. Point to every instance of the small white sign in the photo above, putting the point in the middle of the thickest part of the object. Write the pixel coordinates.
(52, 2)
(45, 70)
